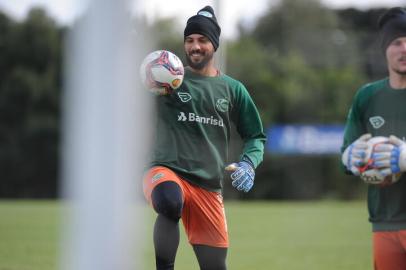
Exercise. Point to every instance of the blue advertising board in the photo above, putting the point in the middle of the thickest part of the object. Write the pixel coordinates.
(304, 139)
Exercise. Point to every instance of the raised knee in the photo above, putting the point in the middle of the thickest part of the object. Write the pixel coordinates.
(167, 200)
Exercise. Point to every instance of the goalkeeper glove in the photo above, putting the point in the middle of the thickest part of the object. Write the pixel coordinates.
(243, 175)
(391, 158)
(355, 154)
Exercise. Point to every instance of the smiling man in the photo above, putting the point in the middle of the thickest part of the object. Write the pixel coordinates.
(379, 109)
(191, 151)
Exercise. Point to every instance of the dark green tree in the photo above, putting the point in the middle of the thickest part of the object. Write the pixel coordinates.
(30, 103)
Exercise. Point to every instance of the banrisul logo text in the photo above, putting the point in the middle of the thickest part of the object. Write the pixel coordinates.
(192, 117)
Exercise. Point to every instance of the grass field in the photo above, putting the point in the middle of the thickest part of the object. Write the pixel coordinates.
(263, 235)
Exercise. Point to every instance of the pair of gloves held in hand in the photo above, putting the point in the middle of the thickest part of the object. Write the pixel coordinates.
(389, 158)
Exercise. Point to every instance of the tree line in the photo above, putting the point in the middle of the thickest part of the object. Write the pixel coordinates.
(302, 63)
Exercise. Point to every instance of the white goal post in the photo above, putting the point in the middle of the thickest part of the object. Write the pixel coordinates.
(105, 124)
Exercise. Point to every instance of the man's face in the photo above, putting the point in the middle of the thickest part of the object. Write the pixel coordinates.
(199, 51)
(396, 56)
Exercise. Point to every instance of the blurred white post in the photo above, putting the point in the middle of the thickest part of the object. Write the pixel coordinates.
(104, 142)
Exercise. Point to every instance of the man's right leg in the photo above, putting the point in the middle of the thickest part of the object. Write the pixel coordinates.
(167, 201)
(389, 253)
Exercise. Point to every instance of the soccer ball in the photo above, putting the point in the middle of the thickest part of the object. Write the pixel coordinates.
(370, 174)
(162, 72)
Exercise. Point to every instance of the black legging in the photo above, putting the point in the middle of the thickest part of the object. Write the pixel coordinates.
(167, 202)
(211, 258)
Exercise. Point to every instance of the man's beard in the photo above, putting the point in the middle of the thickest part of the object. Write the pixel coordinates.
(199, 65)
(400, 72)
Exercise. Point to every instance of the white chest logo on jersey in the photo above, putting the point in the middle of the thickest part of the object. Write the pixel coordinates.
(377, 121)
(184, 97)
(182, 117)
(192, 117)
(222, 105)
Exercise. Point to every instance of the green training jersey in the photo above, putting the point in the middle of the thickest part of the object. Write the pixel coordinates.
(380, 110)
(193, 129)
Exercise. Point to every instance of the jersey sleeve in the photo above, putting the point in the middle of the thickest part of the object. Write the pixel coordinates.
(249, 126)
(354, 126)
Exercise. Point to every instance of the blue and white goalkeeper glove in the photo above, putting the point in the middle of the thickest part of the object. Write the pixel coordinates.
(243, 175)
(391, 158)
(355, 155)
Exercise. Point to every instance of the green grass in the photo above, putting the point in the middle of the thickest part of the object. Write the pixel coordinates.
(299, 236)
(28, 235)
(263, 235)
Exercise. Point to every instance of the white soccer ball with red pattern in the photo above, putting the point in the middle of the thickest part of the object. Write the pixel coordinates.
(162, 72)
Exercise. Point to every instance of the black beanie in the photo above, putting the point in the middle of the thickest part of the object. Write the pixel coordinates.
(392, 25)
(204, 23)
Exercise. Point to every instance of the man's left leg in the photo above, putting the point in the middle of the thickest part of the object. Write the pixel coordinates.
(206, 227)
(211, 258)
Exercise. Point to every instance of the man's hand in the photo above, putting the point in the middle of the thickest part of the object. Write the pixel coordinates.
(391, 158)
(355, 155)
(243, 175)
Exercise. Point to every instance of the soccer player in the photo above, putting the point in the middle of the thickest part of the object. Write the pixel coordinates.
(379, 109)
(191, 151)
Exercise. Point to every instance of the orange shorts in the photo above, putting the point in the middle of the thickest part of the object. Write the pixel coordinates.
(203, 213)
(389, 250)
